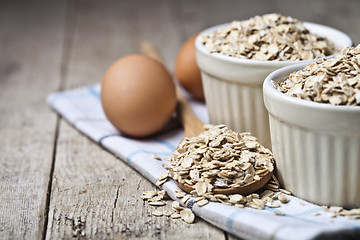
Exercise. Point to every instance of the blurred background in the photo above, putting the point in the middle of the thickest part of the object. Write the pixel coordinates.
(92, 33)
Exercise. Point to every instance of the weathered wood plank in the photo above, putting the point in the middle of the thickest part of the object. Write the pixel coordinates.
(198, 15)
(94, 194)
(31, 39)
(156, 21)
(97, 196)
(342, 15)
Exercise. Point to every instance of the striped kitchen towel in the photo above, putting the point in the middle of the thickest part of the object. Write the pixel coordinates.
(294, 220)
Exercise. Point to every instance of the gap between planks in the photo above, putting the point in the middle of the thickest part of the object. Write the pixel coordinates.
(70, 22)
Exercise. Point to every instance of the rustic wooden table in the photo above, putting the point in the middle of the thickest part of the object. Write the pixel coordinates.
(56, 183)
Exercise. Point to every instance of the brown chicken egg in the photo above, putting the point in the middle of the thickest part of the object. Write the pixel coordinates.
(187, 71)
(138, 95)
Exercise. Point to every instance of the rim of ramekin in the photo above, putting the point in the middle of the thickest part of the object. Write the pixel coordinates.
(201, 47)
(271, 92)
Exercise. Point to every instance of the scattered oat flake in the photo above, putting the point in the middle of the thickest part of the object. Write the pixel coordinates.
(176, 206)
(155, 156)
(285, 191)
(163, 177)
(221, 196)
(187, 215)
(273, 204)
(259, 202)
(167, 213)
(197, 199)
(160, 182)
(185, 199)
(202, 202)
(157, 213)
(256, 205)
(157, 203)
(335, 209)
(148, 194)
(279, 213)
(283, 199)
(175, 215)
(162, 194)
(236, 198)
(179, 193)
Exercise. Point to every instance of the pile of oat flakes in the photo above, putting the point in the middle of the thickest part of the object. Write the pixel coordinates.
(271, 37)
(218, 158)
(335, 80)
(223, 148)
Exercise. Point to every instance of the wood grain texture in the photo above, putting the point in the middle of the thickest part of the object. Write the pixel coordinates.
(94, 194)
(342, 15)
(31, 38)
(46, 46)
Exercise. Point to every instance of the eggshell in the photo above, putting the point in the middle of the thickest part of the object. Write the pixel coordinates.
(138, 95)
(187, 71)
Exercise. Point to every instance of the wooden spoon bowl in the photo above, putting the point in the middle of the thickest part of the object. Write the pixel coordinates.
(193, 126)
(244, 189)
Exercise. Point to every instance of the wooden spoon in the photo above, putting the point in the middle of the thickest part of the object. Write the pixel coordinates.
(193, 126)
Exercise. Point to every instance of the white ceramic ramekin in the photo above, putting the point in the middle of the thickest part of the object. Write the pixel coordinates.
(233, 86)
(316, 145)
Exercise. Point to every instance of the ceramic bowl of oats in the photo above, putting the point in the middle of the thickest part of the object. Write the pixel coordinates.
(235, 58)
(314, 112)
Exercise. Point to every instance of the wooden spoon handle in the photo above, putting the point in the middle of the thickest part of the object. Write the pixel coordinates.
(148, 49)
(193, 126)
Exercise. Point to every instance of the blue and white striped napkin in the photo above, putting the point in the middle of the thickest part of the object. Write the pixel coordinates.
(82, 108)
